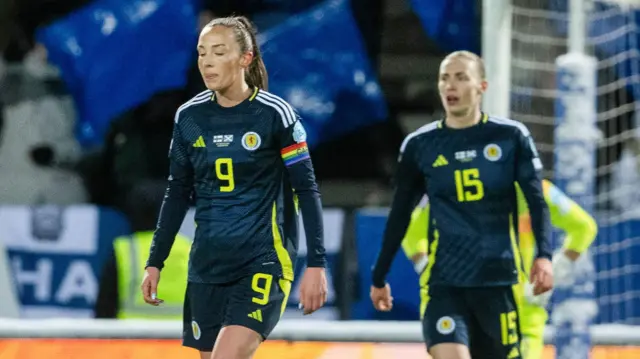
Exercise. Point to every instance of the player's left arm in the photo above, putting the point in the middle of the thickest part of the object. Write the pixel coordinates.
(295, 155)
(528, 176)
(296, 158)
(409, 188)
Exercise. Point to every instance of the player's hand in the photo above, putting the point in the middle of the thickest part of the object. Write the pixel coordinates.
(313, 290)
(150, 286)
(541, 276)
(381, 298)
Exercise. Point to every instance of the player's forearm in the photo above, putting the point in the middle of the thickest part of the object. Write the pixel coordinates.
(540, 228)
(539, 212)
(174, 208)
(403, 203)
(311, 209)
(304, 183)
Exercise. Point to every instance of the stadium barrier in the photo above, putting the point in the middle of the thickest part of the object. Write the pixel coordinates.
(292, 339)
(293, 330)
(309, 339)
(171, 349)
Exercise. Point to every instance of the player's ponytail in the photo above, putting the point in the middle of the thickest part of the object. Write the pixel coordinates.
(256, 75)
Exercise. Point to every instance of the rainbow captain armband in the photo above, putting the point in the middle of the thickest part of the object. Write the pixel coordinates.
(295, 153)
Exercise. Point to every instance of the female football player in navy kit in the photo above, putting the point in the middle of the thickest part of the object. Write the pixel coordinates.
(468, 164)
(240, 152)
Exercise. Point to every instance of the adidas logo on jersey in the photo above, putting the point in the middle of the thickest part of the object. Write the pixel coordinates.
(514, 353)
(257, 315)
(199, 143)
(440, 161)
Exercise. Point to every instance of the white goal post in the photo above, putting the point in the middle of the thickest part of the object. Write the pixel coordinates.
(496, 54)
(288, 330)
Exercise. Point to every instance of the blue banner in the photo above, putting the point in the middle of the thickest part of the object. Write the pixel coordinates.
(115, 54)
(403, 279)
(57, 256)
(452, 24)
(317, 62)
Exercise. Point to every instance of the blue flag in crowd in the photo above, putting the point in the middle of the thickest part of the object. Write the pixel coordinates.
(452, 24)
(317, 62)
(115, 54)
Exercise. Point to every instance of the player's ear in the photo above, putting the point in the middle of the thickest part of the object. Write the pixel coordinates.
(245, 59)
(483, 86)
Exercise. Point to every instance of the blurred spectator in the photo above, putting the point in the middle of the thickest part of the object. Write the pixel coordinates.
(135, 151)
(119, 295)
(37, 141)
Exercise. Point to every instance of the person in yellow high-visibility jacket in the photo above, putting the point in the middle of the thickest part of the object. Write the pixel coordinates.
(119, 295)
(580, 231)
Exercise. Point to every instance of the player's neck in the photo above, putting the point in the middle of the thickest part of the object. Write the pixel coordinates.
(233, 95)
(468, 120)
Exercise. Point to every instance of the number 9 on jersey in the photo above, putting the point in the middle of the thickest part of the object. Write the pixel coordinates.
(224, 173)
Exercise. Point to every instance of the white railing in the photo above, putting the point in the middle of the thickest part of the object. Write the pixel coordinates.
(290, 330)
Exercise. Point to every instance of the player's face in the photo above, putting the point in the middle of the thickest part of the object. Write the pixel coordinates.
(460, 86)
(220, 60)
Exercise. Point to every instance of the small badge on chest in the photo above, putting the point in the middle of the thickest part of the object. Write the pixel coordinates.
(251, 141)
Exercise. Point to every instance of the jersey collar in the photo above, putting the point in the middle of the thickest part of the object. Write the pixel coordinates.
(243, 104)
(483, 119)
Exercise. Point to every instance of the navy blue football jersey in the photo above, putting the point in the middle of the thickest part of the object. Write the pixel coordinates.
(242, 165)
(468, 175)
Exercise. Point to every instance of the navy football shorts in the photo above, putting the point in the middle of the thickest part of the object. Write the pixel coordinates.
(484, 319)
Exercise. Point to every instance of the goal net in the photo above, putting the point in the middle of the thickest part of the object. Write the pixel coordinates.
(539, 35)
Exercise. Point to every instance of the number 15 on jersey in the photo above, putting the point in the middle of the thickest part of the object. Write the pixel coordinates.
(469, 187)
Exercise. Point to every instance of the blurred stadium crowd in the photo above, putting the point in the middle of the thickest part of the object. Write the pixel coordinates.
(101, 155)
